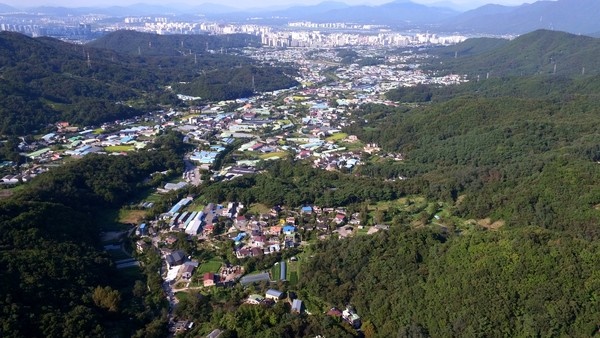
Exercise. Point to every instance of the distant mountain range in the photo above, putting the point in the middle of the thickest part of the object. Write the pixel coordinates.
(574, 16)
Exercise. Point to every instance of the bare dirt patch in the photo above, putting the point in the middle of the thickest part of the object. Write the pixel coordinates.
(488, 224)
(5, 193)
(131, 216)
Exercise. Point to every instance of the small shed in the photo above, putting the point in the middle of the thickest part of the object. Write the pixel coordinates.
(274, 294)
(297, 306)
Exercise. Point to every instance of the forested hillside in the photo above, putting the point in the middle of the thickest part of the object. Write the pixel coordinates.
(520, 150)
(55, 281)
(43, 80)
(147, 44)
(538, 52)
(238, 82)
(422, 283)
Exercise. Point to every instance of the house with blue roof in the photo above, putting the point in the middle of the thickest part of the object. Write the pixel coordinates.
(239, 237)
(307, 209)
(289, 229)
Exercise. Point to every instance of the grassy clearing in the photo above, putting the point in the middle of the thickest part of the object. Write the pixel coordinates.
(293, 272)
(363, 231)
(278, 154)
(211, 266)
(196, 205)
(337, 137)
(131, 216)
(6, 193)
(180, 295)
(153, 197)
(276, 271)
(119, 149)
(258, 208)
(293, 277)
(409, 204)
(352, 146)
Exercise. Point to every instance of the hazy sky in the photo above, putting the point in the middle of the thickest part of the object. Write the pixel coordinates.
(242, 4)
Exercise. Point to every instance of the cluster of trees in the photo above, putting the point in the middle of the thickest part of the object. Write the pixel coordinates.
(55, 282)
(236, 82)
(424, 283)
(348, 56)
(297, 183)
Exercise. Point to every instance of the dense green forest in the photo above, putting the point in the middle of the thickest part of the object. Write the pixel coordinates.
(424, 283)
(296, 184)
(237, 82)
(55, 282)
(45, 80)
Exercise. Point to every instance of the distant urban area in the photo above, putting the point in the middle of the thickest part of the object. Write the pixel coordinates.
(85, 28)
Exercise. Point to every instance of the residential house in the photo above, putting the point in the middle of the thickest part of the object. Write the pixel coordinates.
(175, 258)
(339, 219)
(243, 253)
(351, 317)
(307, 210)
(271, 248)
(256, 252)
(186, 271)
(255, 299)
(289, 229)
(209, 229)
(209, 279)
(274, 230)
(258, 241)
(181, 326)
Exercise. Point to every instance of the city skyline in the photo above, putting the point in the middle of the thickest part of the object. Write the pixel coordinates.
(458, 4)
